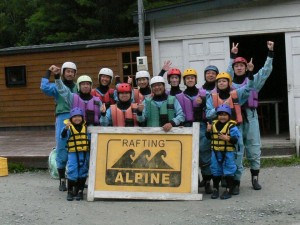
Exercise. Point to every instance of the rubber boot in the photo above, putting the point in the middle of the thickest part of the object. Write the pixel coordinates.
(81, 184)
(208, 189)
(254, 179)
(227, 193)
(71, 184)
(236, 188)
(215, 193)
(223, 182)
(62, 179)
(202, 182)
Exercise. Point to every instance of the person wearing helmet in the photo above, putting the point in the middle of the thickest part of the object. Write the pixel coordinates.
(223, 134)
(89, 104)
(193, 103)
(123, 113)
(160, 110)
(62, 111)
(78, 143)
(103, 91)
(240, 69)
(174, 79)
(225, 94)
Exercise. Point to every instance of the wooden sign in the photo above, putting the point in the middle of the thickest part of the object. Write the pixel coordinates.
(144, 163)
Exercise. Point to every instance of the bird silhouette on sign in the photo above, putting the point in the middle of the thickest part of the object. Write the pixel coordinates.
(142, 160)
(157, 162)
(126, 160)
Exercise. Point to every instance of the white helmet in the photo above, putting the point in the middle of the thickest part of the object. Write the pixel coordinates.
(83, 78)
(157, 79)
(68, 65)
(106, 71)
(142, 73)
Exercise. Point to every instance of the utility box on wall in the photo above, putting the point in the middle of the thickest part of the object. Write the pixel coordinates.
(142, 63)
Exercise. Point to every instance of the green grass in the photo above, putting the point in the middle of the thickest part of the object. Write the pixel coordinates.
(277, 162)
(19, 168)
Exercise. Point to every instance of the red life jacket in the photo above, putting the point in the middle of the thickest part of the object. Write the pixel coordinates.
(108, 97)
(126, 118)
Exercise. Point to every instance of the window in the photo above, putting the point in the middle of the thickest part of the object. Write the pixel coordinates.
(15, 76)
(129, 65)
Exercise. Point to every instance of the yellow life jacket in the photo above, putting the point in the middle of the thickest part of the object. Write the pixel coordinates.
(78, 141)
(218, 144)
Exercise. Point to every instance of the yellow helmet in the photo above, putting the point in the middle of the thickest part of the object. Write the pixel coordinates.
(224, 75)
(189, 71)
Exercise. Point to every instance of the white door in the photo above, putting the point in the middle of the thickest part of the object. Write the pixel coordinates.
(199, 53)
(292, 42)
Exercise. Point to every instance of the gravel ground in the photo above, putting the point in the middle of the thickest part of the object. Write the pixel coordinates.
(33, 198)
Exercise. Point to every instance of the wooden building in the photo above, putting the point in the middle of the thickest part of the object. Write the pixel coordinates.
(22, 104)
(199, 33)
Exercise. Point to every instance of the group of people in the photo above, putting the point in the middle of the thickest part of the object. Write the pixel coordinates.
(225, 105)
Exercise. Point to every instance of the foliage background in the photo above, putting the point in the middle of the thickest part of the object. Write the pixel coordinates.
(31, 22)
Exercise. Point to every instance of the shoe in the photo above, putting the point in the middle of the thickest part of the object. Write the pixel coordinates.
(208, 189)
(70, 196)
(62, 186)
(215, 194)
(255, 184)
(226, 194)
(236, 188)
(79, 196)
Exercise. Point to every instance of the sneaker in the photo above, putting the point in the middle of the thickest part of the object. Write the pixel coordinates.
(62, 186)
(215, 194)
(70, 196)
(208, 189)
(79, 196)
(226, 194)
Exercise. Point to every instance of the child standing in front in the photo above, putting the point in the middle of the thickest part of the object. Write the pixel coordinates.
(224, 134)
(78, 145)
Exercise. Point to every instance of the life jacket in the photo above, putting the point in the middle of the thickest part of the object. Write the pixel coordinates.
(126, 118)
(157, 117)
(60, 105)
(218, 144)
(91, 109)
(107, 98)
(252, 101)
(78, 141)
(189, 106)
(138, 97)
(232, 101)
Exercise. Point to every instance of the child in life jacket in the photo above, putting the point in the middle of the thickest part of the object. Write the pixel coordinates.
(224, 134)
(124, 112)
(78, 145)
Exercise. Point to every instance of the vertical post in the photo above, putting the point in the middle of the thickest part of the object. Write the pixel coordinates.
(141, 27)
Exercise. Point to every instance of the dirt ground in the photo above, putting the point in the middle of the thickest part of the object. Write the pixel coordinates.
(33, 198)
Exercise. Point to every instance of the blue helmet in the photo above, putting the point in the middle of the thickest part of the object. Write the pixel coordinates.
(211, 67)
(224, 108)
(75, 112)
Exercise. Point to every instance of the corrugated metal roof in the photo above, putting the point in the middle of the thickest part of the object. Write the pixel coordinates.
(72, 45)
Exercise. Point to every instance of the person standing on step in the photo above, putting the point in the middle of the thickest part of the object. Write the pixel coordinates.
(78, 144)
(239, 69)
(62, 111)
(224, 135)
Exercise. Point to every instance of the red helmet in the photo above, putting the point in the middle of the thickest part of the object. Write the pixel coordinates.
(240, 60)
(174, 71)
(123, 87)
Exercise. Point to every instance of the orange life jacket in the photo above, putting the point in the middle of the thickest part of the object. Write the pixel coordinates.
(232, 101)
(126, 118)
(138, 97)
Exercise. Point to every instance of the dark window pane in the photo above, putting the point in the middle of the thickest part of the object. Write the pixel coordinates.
(134, 69)
(126, 69)
(134, 55)
(126, 57)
